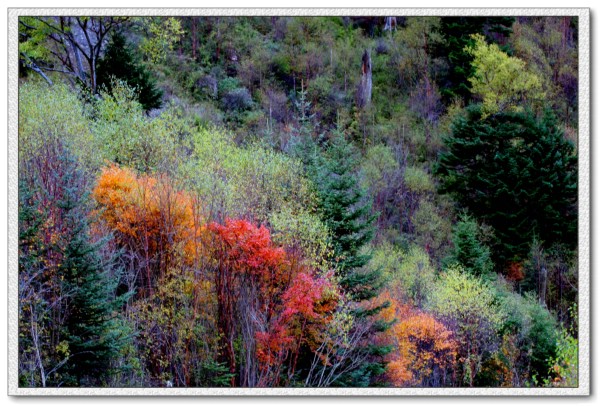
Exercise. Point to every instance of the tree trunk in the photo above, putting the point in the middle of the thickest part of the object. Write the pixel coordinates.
(366, 81)
(543, 280)
(194, 36)
(390, 24)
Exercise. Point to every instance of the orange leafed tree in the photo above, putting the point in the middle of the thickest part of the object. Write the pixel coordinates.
(426, 352)
(157, 224)
(160, 231)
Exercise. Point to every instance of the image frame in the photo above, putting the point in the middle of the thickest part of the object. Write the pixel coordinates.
(584, 225)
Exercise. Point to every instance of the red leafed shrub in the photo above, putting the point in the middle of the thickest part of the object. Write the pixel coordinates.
(514, 271)
(304, 304)
(274, 298)
(303, 295)
(247, 248)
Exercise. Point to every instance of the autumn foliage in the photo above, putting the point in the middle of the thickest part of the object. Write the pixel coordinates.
(262, 294)
(514, 271)
(153, 220)
(426, 351)
(261, 287)
(307, 305)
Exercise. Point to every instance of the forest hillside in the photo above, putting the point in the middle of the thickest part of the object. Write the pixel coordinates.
(298, 201)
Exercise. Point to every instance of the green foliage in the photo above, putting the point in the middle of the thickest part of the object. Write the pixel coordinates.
(348, 216)
(92, 340)
(128, 137)
(379, 162)
(502, 81)
(228, 84)
(542, 335)
(411, 56)
(417, 180)
(467, 299)
(566, 363)
(409, 275)
(345, 212)
(302, 232)
(68, 303)
(120, 62)
(251, 181)
(163, 34)
(469, 251)
(432, 228)
(32, 38)
(549, 47)
(214, 374)
(55, 110)
(457, 33)
(535, 330)
(516, 174)
(469, 304)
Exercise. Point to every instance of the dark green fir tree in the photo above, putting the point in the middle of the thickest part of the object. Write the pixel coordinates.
(469, 251)
(68, 305)
(120, 62)
(349, 218)
(515, 173)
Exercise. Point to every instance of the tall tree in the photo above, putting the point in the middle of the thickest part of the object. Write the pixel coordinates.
(503, 82)
(457, 32)
(121, 62)
(70, 45)
(68, 297)
(516, 174)
(348, 216)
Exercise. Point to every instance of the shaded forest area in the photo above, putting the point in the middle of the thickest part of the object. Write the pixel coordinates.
(298, 202)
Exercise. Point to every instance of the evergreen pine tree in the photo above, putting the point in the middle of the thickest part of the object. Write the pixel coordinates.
(516, 174)
(303, 144)
(68, 303)
(468, 251)
(347, 214)
(91, 342)
(349, 219)
(120, 62)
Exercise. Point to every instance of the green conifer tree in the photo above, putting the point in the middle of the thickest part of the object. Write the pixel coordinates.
(120, 62)
(68, 299)
(348, 216)
(516, 174)
(468, 250)
(91, 342)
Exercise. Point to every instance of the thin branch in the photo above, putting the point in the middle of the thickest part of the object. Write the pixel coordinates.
(31, 65)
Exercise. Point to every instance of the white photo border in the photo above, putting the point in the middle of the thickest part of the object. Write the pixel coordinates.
(584, 226)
